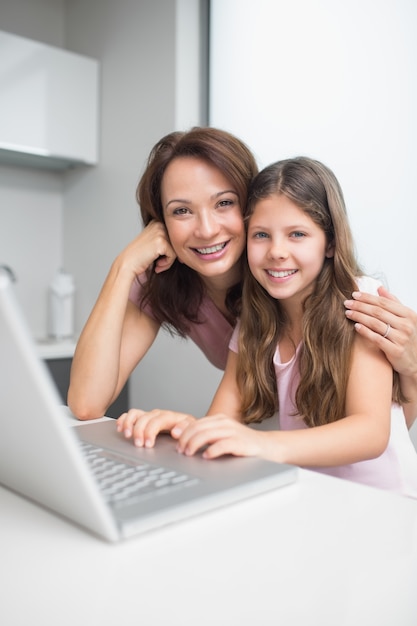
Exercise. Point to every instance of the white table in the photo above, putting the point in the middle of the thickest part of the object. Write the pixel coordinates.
(322, 552)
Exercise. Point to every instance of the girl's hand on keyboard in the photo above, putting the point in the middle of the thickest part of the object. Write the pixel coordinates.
(144, 426)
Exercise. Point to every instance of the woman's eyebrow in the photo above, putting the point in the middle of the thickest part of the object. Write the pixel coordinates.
(182, 200)
(213, 197)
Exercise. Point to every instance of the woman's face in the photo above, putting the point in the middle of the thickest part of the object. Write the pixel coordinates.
(203, 216)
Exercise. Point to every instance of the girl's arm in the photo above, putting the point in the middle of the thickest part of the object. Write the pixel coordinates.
(362, 434)
(227, 397)
(117, 334)
(372, 314)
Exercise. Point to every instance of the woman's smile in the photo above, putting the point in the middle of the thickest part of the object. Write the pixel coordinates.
(212, 252)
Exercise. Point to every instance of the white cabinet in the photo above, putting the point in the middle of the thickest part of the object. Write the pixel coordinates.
(48, 104)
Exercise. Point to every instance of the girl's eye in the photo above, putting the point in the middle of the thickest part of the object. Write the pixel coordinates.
(297, 234)
(260, 235)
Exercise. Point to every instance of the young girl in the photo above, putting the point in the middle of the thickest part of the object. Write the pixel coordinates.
(295, 356)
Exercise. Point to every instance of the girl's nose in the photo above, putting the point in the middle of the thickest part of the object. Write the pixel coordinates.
(277, 250)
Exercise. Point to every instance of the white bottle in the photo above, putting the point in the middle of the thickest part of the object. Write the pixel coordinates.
(61, 306)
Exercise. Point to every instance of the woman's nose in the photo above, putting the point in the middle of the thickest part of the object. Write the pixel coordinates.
(207, 225)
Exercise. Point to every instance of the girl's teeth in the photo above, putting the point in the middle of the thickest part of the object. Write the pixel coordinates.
(281, 274)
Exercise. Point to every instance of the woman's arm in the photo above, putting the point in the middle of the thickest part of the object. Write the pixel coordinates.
(372, 314)
(117, 334)
(362, 434)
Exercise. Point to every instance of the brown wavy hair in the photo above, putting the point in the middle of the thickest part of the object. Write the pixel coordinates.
(328, 336)
(175, 295)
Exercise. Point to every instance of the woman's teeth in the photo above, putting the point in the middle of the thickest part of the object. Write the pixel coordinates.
(211, 249)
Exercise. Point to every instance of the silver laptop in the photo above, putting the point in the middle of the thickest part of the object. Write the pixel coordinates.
(89, 473)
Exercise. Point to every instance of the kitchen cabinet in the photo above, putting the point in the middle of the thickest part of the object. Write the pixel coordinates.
(48, 105)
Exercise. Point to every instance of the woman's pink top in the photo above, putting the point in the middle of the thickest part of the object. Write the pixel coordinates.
(394, 470)
(212, 335)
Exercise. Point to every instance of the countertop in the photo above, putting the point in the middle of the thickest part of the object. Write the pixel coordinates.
(48, 348)
(320, 552)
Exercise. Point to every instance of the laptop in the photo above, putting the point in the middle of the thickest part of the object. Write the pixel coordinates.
(89, 473)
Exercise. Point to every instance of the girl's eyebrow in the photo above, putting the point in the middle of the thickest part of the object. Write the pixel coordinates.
(289, 227)
(257, 226)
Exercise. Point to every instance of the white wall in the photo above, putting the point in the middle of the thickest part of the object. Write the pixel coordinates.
(83, 218)
(337, 81)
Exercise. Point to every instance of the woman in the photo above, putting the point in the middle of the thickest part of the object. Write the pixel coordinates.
(183, 272)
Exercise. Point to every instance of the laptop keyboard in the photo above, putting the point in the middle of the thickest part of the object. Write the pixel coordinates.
(125, 483)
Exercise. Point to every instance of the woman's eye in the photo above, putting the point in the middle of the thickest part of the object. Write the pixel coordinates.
(225, 203)
(180, 211)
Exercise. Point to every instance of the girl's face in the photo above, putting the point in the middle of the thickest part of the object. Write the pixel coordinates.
(203, 217)
(286, 249)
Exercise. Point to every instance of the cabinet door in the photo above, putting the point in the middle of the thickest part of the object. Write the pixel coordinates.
(48, 101)
(60, 371)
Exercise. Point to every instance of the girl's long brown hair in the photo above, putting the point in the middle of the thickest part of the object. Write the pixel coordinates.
(175, 295)
(325, 356)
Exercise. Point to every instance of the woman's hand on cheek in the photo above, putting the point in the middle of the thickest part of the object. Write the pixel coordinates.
(219, 435)
(166, 253)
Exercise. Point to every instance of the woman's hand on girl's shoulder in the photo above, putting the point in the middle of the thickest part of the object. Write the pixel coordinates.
(388, 324)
